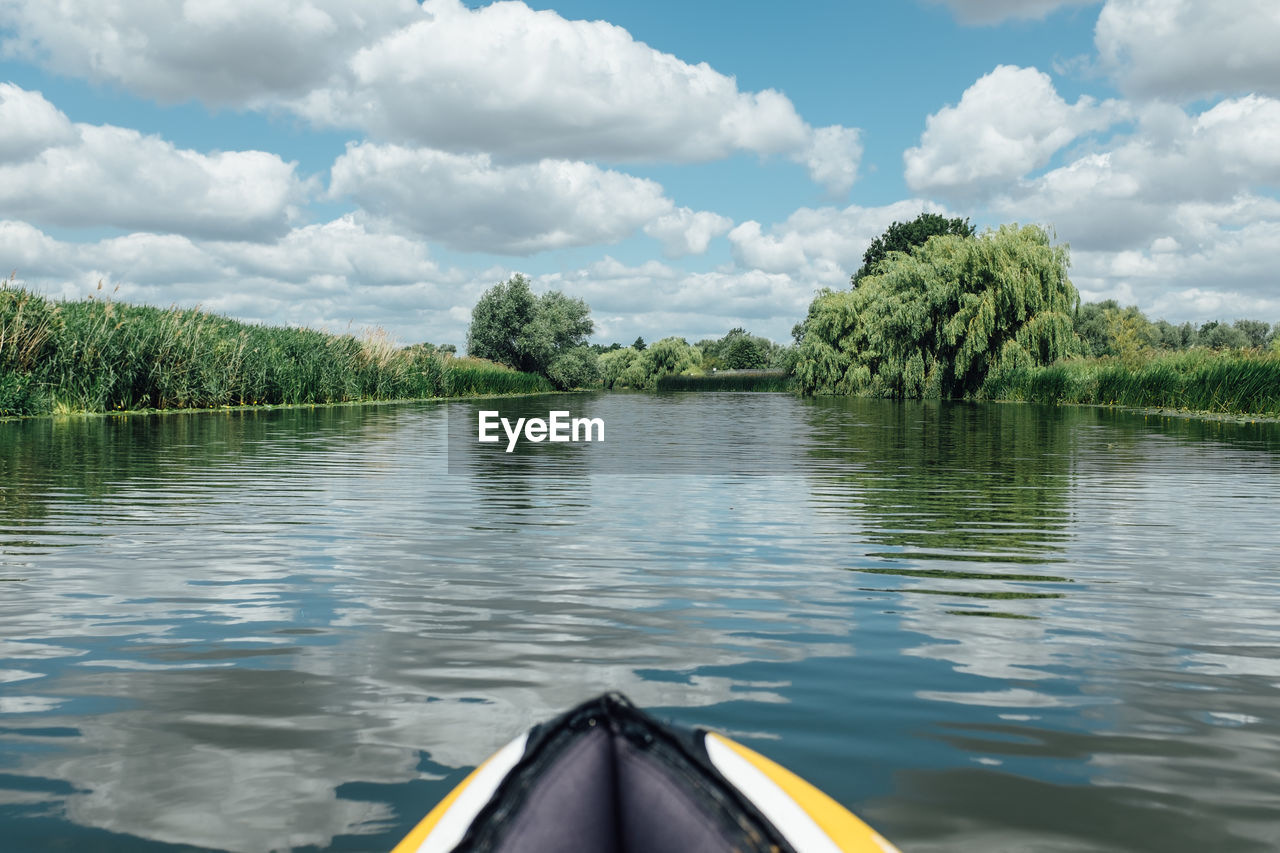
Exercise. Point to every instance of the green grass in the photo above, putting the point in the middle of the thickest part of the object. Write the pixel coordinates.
(1241, 382)
(101, 356)
(469, 377)
(738, 380)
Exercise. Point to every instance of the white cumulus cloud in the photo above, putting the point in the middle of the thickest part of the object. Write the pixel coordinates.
(342, 275)
(530, 84)
(1007, 124)
(821, 247)
(832, 157)
(68, 174)
(29, 124)
(502, 79)
(1227, 270)
(1139, 186)
(469, 202)
(656, 300)
(225, 52)
(687, 232)
(1187, 49)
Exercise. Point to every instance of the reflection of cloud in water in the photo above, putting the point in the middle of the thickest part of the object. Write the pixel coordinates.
(1011, 698)
(8, 676)
(216, 757)
(253, 615)
(334, 624)
(28, 704)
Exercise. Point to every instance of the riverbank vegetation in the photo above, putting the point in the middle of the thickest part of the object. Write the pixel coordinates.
(675, 364)
(1199, 380)
(934, 321)
(641, 369)
(547, 334)
(544, 334)
(728, 380)
(741, 350)
(937, 312)
(98, 355)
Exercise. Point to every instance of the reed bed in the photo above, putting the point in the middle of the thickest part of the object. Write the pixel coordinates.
(100, 356)
(736, 380)
(1230, 382)
(470, 377)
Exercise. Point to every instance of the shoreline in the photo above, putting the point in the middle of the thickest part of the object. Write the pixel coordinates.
(1191, 414)
(1223, 417)
(1188, 414)
(249, 407)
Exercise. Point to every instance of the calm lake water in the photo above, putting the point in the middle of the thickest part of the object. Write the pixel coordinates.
(982, 627)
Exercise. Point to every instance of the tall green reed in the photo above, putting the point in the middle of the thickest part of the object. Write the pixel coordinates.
(1231, 382)
(98, 355)
(754, 380)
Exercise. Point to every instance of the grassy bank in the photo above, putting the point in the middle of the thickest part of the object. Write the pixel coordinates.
(101, 356)
(735, 380)
(1235, 382)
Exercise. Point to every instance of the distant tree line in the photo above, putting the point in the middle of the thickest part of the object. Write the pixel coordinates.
(547, 334)
(934, 310)
(1106, 329)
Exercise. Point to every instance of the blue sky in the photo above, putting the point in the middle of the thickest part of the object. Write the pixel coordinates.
(685, 168)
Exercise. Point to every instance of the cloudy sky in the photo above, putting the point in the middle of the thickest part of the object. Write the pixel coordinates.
(684, 167)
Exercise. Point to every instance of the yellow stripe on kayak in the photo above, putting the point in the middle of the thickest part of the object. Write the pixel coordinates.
(411, 842)
(844, 828)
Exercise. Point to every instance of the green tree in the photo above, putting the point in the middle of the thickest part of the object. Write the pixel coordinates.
(512, 326)
(906, 236)
(740, 350)
(1171, 337)
(1217, 335)
(1091, 326)
(744, 353)
(1129, 335)
(669, 355)
(614, 363)
(498, 323)
(639, 344)
(577, 367)
(934, 322)
(1256, 331)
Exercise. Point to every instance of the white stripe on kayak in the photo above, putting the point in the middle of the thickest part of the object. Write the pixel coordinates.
(446, 834)
(783, 812)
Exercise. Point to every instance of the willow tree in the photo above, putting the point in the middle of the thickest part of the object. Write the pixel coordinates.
(934, 322)
(669, 355)
(614, 363)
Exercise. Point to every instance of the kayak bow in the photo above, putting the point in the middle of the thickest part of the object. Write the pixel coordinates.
(605, 777)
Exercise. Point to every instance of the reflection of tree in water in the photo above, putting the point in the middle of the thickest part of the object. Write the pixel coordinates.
(532, 472)
(335, 627)
(963, 513)
(956, 480)
(1087, 702)
(43, 460)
